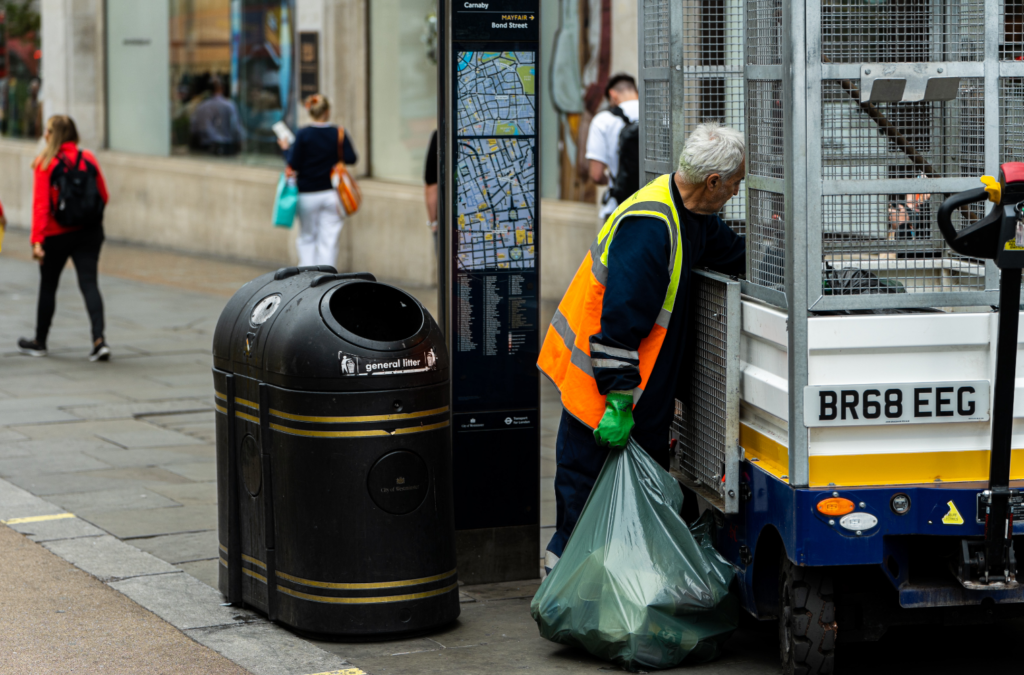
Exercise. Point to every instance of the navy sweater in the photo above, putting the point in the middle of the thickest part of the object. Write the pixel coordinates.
(638, 279)
(314, 153)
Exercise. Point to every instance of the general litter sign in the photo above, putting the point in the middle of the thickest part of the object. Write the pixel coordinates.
(917, 403)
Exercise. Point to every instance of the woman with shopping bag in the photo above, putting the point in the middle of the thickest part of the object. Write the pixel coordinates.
(313, 157)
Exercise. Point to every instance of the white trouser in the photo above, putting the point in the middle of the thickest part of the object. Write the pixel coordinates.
(321, 223)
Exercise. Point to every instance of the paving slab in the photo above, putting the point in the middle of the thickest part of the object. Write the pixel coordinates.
(91, 481)
(264, 649)
(128, 457)
(121, 498)
(131, 523)
(147, 436)
(124, 433)
(13, 499)
(56, 461)
(195, 471)
(205, 418)
(109, 559)
(204, 379)
(9, 435)
(183, 601)
(204, 570)
(53, 530)
(190, 493)
(110, 411)
(181, 548)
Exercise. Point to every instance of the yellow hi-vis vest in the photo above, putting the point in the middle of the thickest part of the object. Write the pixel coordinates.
(566, 355)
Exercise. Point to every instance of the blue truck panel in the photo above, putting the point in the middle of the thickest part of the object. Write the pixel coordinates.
(809, 538)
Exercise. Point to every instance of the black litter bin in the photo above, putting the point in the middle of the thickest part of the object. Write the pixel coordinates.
(333, 456)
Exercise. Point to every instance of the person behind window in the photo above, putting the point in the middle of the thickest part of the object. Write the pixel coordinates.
(216, 126)
(312, 157)
(53, 243)
(603, 137)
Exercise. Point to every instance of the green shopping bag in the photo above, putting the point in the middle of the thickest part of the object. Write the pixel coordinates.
(635, 585)
(286, 202)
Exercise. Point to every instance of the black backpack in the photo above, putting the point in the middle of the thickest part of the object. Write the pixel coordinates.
(76, 200)
(627, 177)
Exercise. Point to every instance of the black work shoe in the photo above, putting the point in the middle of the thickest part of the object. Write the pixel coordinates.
(100, 352)
(31, 347)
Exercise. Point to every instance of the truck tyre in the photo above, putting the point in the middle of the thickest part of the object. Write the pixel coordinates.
(807, 620)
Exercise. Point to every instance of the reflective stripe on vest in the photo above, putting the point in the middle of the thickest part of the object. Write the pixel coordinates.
(565, 356)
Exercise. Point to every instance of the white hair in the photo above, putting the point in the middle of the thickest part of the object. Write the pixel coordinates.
(711, 148)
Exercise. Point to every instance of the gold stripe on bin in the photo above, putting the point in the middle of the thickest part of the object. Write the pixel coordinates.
(364, 586)
(255, 575)
(222, 547)
(356, 434)
(221, 409)
(248, 418)
(254, 561)
(367, 601)
(223, 397)
(356, 419)
(246, 403)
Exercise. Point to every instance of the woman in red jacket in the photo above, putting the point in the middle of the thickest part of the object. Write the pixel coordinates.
(53, 243)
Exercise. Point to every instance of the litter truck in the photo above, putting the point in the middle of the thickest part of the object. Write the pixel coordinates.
(850, 417)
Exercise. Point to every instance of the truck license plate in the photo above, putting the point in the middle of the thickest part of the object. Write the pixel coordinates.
(914, 403)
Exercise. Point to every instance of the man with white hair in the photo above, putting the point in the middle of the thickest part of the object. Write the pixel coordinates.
(615, 346)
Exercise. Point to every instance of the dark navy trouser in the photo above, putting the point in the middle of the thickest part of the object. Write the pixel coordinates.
(579, 460)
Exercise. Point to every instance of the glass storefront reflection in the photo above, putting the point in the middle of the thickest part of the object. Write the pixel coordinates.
(232, 75)
(21, 111)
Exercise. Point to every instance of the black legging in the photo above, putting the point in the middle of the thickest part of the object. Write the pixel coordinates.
(83, 247)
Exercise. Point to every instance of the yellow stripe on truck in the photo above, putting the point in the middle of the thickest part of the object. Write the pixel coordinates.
(907, 468)
(895, 468)
(771, 455)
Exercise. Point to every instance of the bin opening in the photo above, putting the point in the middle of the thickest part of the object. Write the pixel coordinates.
(376, 312)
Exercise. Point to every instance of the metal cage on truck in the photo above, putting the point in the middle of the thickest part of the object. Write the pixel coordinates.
(861, 117)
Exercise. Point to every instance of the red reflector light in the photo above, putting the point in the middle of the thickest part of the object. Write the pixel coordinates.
(835, 506)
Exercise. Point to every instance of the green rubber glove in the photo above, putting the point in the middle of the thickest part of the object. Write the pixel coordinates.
(613, 431)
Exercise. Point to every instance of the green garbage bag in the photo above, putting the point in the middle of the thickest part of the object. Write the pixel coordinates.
(635, 586)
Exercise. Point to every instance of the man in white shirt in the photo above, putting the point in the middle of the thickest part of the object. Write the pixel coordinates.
(603, 137)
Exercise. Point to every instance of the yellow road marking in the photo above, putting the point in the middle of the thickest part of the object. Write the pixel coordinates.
(360, 586)
(367, 601)
(347, 671)
(37, 519)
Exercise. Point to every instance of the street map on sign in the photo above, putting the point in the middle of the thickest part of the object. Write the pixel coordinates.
(494, 202)
(496, 94)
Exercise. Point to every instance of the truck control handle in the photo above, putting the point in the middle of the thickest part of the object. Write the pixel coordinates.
(964, 242)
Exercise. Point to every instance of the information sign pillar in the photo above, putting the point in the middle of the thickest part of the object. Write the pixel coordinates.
(489, 209)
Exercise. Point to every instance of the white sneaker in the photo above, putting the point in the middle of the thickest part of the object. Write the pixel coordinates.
(100, 352)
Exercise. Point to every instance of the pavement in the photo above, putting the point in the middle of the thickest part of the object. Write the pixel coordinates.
(108, 561)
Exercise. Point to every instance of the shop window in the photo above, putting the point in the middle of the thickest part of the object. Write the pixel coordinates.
(403, 88)
(232, 75)
(21, 111)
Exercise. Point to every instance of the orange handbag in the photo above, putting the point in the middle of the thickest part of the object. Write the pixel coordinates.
(348, 190)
